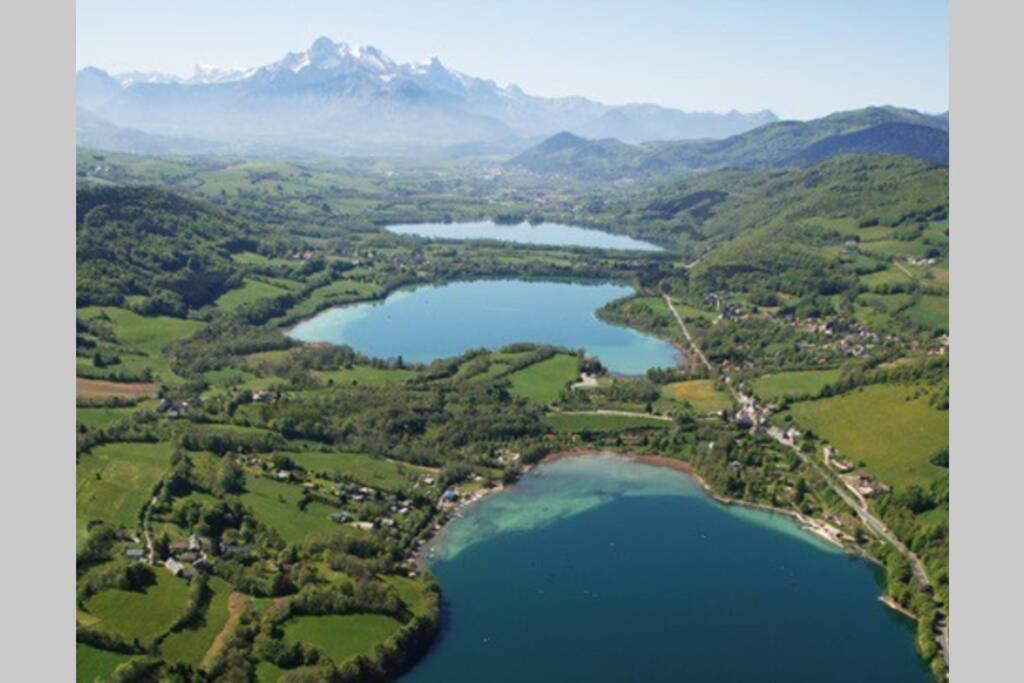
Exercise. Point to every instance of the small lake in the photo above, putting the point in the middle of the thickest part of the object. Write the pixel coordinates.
(424, 323)
(547, 234)
(600, 568)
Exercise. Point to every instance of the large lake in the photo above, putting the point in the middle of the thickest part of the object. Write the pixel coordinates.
(437, 321)
(603, 569)
(549, 234)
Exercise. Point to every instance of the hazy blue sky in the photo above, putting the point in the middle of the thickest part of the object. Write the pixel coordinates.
(800, 58)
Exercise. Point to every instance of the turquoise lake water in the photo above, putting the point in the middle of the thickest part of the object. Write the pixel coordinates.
(548, 234)
(437, 321)
(603, 569)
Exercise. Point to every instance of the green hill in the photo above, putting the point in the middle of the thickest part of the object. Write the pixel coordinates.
(783, 143)
(145, 242)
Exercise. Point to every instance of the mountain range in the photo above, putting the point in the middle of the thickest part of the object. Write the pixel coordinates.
(339, 98)
(888, 130)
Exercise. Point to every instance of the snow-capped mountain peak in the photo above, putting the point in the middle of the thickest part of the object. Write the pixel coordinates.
(204, 74)
(136, 77)
(356, 98)
(326, 55)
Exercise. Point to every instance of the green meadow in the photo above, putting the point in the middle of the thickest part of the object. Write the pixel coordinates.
(190, 645)
(543, 382)
(98, 417)
(142, 615)
(930, 311)
(412, 592)
(798, 383)
(336, 293)
(277, 505)
(148, 334)
(365, 375)
(250, 291)
(342, 636)
(894, 434)
(92, 663)
(387, 475)
(563, 423)
(114, 482)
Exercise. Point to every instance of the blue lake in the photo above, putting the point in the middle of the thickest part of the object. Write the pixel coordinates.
(548, 234)
(604, 569)
(424, 323)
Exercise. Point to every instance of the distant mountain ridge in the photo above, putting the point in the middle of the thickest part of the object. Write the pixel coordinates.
(335, 97)
(784, 143)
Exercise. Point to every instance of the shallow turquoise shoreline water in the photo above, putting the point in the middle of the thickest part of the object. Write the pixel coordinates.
(604, 569)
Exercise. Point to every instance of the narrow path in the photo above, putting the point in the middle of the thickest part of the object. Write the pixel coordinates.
(236, 604)
(905, 271)
(696, 349)
(150, 550)
(622, 413)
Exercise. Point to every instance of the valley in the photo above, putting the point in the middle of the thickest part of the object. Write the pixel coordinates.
(304, 398)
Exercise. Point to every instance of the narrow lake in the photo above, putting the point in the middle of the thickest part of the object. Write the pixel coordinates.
(547, 234)
(436, 321)
(600, 568)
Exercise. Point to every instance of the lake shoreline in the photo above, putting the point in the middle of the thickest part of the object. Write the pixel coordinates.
(424, 558)
(509, 310)
(557, 235)
(818, 528)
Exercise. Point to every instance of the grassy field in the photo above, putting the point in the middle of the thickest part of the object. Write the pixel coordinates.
(141, 615)
(277, 505)
(701, 394)
(190, 645)
(543, 382)
(339, 292)
(412, 593)
(268, 673)
(930, 311)
(890, 276)
(894, 435)
(97, 417)
(367, 470)
(690, 313)
(798, 383)
(250, 291)
(131, 363)
(916, 248)
(149, 335)
(114, 481)
(224, 377)
(92, 663)
(364, 375)
(342, 636)
(563, 424)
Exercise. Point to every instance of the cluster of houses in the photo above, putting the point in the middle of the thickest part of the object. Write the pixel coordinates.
(187, 558)
(751, 415)
(264, 396)
(943, 347)
(173, 409)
